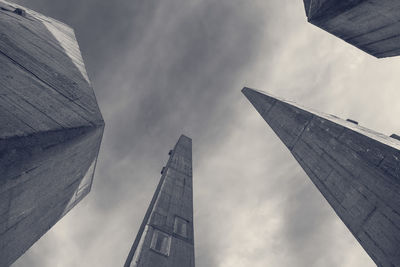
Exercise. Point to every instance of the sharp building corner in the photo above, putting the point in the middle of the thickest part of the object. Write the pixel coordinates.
(356, 169)
(372, 26)
(50, 127)
(165, 237)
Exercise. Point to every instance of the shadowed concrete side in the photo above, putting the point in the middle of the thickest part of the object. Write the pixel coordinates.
(166, 238)
(357, 170)
(372, 26)
(47, 180)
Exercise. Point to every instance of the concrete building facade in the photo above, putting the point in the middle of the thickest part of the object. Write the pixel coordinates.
(50, 127)
(372, 26)
(356, 169)
(165, 237)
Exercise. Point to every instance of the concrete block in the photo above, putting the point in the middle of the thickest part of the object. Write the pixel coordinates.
(52, 127)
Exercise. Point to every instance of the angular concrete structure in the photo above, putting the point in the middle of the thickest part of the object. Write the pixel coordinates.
(165, 237)
(50, 127)
(356, 169)
(372, 26)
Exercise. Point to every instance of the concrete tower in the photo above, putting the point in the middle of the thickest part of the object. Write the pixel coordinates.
(372, 26)
(356, 169)
(165, 237)
(50, 127)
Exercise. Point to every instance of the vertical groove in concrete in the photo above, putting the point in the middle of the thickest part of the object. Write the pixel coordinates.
(171, 204)
(356, 169)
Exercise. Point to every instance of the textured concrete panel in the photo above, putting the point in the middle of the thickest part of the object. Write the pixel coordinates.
(50, 127)
(356, 170)
(172, 202)
(372, 26)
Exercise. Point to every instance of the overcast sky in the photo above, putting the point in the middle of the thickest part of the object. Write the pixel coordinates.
(161, 68)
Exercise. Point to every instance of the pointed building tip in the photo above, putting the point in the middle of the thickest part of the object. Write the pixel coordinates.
(184, 141)
(184, 138)
(262, 101)
(247, 90)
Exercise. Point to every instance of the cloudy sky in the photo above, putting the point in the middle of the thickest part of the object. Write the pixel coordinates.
(165, 67)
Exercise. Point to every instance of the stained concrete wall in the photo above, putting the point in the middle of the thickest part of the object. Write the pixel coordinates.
(173, 198)
(372, 26)
(356, 169)
(50, 127)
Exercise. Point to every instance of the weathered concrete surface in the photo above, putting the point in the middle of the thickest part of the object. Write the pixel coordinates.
(372, 26)
(173, 200)
(50, 127)
(356, 169)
